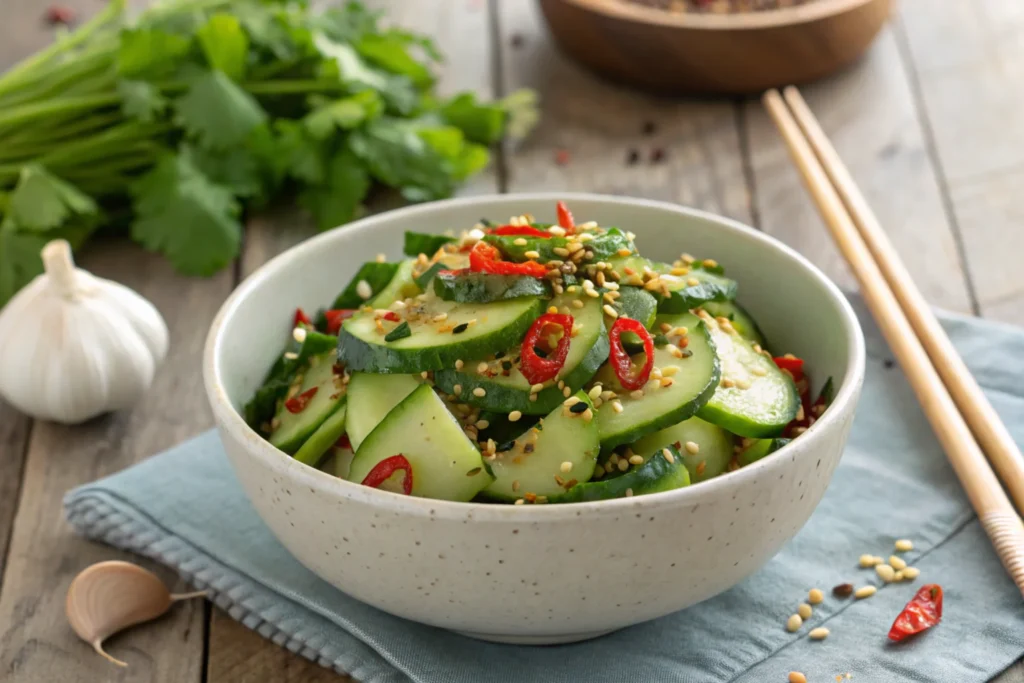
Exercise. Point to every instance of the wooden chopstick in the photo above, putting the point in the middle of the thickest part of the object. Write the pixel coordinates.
(982, 418)
(994, 509)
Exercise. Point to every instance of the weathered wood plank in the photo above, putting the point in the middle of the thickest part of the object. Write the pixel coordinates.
(600, 126)
(236, 654)
(968, 61)
(35, 641)
(869, 114)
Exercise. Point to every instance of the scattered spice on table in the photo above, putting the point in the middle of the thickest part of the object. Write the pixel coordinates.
(59, 14)
(562, 157)
(650, 128)
(657, 155)
(633, 157)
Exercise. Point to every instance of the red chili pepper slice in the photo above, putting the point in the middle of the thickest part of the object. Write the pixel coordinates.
(922, 612)
(390, 315)
(485, 258)
(534, 368)
(565, 217)
(382, 472)
(296, 404)
(795, 366)
(622, 364)
(519, 230)
(337, 316)
(300, 318)
(343, 442)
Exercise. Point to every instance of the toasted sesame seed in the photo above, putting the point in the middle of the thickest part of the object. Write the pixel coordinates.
(759, 371)
(570, 402)
(804, 610)
(556, 230)
(820, 633)
(425, 375)
(885, 572)
(867, 561)
(515, 484)
(595, 392)
(577, 303)
(667, 454)
(667, 382)
(692, 281)
(897, 563)
(815, 596)
(911, 573)
(519, 242)
(637, 394)
(623, 465)
(299, 334)
(794, 623)
(636, 460)
(629, 493)
(290, 355)
(457, 389)
(561, 384)
(364, 290)
(480, 391)
(864, 592)
(692, 447)
(519, 501)
(567, 392)
(609, 311)
(728, 383)
(536, 387)
(903, 545)
(617, 406)
(482, 424)
(565, 467)
(592, 293)
(624, 252)
(514, 416)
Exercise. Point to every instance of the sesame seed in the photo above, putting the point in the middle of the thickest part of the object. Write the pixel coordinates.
(514, 416)
(897, 563)
(624, 252)
(519, 501)
(617, 407)
(667, 454)
(692, 447)
(629, 493)
(459, 365)
(567, 392)
(533, 397)
(299, 334)
(666, 382)
(885, 572)
(592, 293)
(515, 484)
(867, 561)
(565, 467)
(459, 329)
(637, 394)
(364, 290)
(609, 311)
(911, 573)
(381, 258)
(820, 633)
(557, 230)
(561, 251)
(794, 623)
(561, 384)
(623, 465)
(903, 545)
(804, 610)
(728, 383)
(815, 596)
(482, 424)
(290, 355)
(480, 391)
(519, 242)
(692, 281)
(864, 592)
(536, 387)
(425, 375)
(570, 402)
(636, 460)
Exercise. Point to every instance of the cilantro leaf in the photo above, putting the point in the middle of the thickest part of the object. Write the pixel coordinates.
(344, 113)
(141, 100)
(235, 169)
(464, 159)
(483, 123)
(19, 260)
(338, 200)
(225, 44)
(216, 112)
(345, 64)
(397, 156)
(150, 53)
(523, 114)
(299, 155)
(181, 213)
(347, 23)
(41, 201)
(388, 51)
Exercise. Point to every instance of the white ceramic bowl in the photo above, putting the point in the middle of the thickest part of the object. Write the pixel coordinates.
(526, 574)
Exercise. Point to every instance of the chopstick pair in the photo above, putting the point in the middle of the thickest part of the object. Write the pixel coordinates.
(954, 404)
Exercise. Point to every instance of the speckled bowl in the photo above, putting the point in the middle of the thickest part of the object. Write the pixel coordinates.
(526, 574)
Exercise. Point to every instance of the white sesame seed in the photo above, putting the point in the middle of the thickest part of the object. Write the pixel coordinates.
(759, 371)
(519, 242)
(794, 623)
(457, 389)
(481, 368)
(897, 563)
(617, 407)
(557, 230)
(595, 392)
(804, 610)
(570, 402)
(480, 391)
(519, 501)
(820, 633)
(864, 592)
(637, 394)
(667, 454)
(536, 388)
(566, 467)
(623, 465)
(482, 424)
(692, 447)
(364, 290)
(609, 311)
(514, 416)
(567, 392)
(459, 365)
(885, 572)
(815, 596)
(299, 334)
(576, 303)
(903, 545)
(911, 573)
(290, 355)
(629, 493)
(669, 371)
(531, 254)
(381, 258)
(867, 561)
(636, 460)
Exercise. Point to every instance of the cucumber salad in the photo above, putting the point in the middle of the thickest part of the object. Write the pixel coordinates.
(532, 363)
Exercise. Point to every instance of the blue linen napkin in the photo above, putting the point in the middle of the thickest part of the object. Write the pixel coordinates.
(186, 509)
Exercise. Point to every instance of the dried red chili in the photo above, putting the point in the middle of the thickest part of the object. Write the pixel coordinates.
(380, 476)
(519, 230)
(795, 366)
(296, 404)
(300, 318)
(485, 258)
(622, 364)
(534, 368)
(565, 217)
(337, 316)
(922, 612)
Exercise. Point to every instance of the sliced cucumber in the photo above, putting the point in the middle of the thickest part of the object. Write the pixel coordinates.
(337, 462)
(483, 288)
(755, 399)
(605, 244)
(445, 464)
(266, 401)
(401, 286)
(684, 292)
(739, 318)
(371, 398)
(504, 431)
(637, 304)
(292, 429)
(714, 446)
(506, 389)
(535, 463)
(759, 449)
(320, 441)
(417, 243)
(657, 474)
(693, 383)
(466, 331)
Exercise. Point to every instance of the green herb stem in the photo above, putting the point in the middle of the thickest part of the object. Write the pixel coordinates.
(63, 105)
(71, 74)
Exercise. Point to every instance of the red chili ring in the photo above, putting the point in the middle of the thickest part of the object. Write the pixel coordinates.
(621, 362)
(534, 368)
(383, 470)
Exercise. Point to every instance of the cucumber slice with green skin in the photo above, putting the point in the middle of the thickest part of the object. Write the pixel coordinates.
(371, 398)
(376, 275)
(504, 393)
(292, 429)
(417, 243)
(502, 430)
(761, 401)
(657, 474)
(401, 286)
(684, 291)
(534, 463)
(436, 345)
(693, 384)
(715, 446)
(484, 288)
(320, 441)
(604, 245)
(637, 304)
(740, 319)
(445, 464)
(759, 449)
(265, 402)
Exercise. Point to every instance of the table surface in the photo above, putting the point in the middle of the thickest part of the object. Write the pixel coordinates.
(929, 124)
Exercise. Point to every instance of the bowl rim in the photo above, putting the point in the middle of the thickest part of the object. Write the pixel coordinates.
(816, 10)
(231, 421)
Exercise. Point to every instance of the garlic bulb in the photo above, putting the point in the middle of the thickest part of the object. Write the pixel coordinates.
(74, 346)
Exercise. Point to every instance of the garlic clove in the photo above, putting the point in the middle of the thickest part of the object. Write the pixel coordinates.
(108, 597)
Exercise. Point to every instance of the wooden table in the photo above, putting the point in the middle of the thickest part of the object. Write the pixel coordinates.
(930, 124)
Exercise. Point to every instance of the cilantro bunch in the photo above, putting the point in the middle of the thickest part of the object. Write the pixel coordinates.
(173, 124)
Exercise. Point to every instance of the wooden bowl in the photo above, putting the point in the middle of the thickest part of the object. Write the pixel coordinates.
(714, 53)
